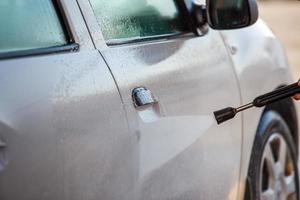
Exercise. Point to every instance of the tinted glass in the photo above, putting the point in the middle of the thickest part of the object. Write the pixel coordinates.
(137, 18)
(229, 13)
(29, 24)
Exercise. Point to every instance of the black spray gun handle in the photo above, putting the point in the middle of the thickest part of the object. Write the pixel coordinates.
(260, 101)
(277, 95)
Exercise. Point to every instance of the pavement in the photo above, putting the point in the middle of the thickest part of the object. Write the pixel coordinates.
(283, 16)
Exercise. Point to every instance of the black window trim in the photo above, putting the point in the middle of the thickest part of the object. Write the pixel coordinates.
(72, 46)
(136, 40)
(40, 51)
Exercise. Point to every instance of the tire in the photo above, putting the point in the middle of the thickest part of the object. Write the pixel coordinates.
(273, 172)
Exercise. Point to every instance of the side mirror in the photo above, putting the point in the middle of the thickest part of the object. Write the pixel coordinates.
(231, 14)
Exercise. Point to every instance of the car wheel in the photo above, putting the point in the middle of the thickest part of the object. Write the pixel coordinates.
(273, 173)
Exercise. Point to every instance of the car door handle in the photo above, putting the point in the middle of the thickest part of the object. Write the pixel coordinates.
(141, 96)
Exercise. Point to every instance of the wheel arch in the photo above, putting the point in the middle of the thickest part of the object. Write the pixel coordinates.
(287, 110)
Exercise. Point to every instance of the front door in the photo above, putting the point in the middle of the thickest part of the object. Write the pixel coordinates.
(182, 79)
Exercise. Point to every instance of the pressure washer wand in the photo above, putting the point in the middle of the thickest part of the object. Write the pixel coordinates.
(260, 101)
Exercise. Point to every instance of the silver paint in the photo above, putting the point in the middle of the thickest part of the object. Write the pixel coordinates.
(72, 131)
(65, 128)
(261, 66)
(184, 79)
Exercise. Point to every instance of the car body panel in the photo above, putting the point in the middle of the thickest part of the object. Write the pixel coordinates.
(69, 129)
(64, 126)
(61, 130)
(181, 148)
(256, 53)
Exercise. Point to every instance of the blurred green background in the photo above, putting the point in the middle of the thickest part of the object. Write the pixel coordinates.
(283, 16)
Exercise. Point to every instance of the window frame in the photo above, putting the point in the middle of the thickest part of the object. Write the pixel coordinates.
(135, 40)
(71, 45)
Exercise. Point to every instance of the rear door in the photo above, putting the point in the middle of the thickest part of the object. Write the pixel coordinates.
(183, 154)
(63, 131)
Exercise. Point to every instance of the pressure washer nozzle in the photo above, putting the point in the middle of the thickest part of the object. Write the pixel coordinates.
(225, 114)
(260, 101)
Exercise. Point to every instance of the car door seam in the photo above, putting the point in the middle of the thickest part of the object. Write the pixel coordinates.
(242, 116)
(114, 78)
(86, 25)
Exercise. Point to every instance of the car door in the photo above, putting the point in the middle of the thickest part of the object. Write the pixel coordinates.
(63, 130)
(180, 79)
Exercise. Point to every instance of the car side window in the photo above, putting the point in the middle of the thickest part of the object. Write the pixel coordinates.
(29, 24)
(120, 19)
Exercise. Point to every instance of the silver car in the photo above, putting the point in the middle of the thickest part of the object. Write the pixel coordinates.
(113, 100)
